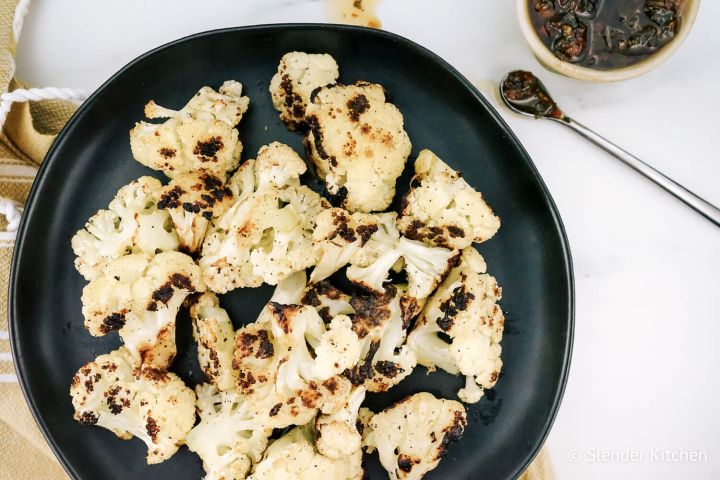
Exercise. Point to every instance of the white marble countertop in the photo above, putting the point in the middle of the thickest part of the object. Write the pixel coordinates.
(642, 397)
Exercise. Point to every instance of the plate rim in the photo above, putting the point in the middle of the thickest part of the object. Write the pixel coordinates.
(31, 203)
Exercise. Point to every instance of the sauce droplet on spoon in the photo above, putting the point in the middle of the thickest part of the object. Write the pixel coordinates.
(524, 92)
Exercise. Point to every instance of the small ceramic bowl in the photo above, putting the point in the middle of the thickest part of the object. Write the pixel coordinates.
(687, 10)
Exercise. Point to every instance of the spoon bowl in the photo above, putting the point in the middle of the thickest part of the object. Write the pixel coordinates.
(525, 94)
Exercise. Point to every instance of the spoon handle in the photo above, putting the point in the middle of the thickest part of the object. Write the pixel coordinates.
(704, 208)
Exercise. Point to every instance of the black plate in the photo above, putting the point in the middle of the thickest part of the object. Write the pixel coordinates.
(91, 159)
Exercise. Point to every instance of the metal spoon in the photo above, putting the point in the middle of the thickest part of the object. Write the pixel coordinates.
(523, 93)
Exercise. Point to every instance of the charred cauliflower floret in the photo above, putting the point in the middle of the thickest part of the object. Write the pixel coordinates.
(265, 238)
(442, 209)
(266, 235)
(193, 200)
(200, 136)
(285, 383)
(371, 244)
(386, 250)
(215, 337)
(381, 247)
(140, 296)
(357, 143)
(131, 224)
(337, 434)
(338, 237)
(298, 75)
(412, 436)
(295, 456)
(327, 300)
(154, 406)
(465, 309)
(228, 439)
(425, 266)
(381, 323)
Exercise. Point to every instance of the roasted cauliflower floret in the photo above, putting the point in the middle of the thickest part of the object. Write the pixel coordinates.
(266, 235)
(337, 434)
(131, 224)
(140, 296)
(294, 456)
(277, 167)
(276, 369)
(192, 200)
(425, 266)
(264, 238)
(372, 245)
(412, 436)
(358, 144)
(228, 439)
(213, 331)
(200, 136)
(383, 238)
(298, 75)
(337, 238)
(327, 300)
(465, 309)
(442, 209)
(381, 323)
(154, 406)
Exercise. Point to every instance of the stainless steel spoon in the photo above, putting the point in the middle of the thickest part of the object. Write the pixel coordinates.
(523, 93)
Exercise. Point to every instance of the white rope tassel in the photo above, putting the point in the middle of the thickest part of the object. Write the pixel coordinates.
(33, 94)
(12, 212)
(37, 94)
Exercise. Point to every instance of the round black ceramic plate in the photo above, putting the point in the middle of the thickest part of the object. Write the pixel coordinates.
(91, 159)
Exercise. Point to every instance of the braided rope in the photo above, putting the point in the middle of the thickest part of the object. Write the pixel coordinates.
(20, 11)
(37, 94)
(33, 94)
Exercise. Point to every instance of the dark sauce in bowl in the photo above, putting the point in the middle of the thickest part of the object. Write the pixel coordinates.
(604, 34)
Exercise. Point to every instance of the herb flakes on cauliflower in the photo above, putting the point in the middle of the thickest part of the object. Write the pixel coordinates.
(154, 406)
(442, 209)
(465, 309)
(133, 223)
(140, 296)
(298, 75)
(228, 439)
(193, 200)
(213, 331)
(412, 435)
(357, 143)
(200, 136)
